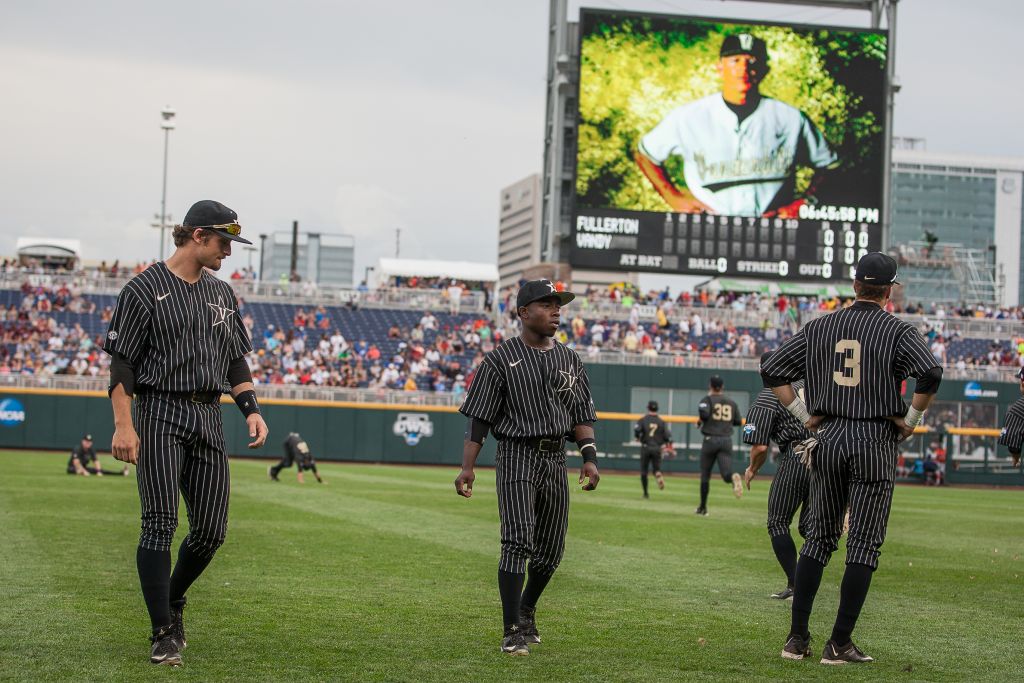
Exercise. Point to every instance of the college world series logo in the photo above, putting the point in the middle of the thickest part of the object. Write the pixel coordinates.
(413, 426)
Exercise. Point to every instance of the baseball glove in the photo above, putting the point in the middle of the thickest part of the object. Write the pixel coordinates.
(667, 451)
(805, 451)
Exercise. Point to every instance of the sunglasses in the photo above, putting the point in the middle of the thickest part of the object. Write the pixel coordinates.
(229, 228)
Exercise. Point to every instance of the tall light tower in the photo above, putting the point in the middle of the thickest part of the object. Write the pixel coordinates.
(168, 125)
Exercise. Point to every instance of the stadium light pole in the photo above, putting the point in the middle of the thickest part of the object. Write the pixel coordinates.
(167, 125)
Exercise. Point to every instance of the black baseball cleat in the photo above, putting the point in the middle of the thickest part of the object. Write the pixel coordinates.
(848, 654)
(528, 625)
(784, 594)
(797, 647)
(165, 647)
(702, 511)
(270, 473)
(646, 496)
(513, 643)
(177, 623)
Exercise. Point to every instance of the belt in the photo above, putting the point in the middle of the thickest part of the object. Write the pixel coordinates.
(192, 396)
(545, 444)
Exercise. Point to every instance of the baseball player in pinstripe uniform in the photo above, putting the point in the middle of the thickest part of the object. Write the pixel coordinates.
(655, 438)
(175, 338)
(853, 362)
(718, 414)
(532, 393)
(767, 421)
(1012, 434)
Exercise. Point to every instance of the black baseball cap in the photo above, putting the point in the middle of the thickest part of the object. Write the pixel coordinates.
(716, 382)
(876, 268)
(215, 217)
(87, 437)
(744, 44)
(1020, 374)
(652, 406)
(535, 290)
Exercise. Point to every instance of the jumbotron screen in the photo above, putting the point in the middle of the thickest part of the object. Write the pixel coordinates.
(728, 148)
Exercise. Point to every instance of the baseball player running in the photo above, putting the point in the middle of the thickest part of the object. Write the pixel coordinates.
(718, 415)
(767, 421)
(853, 362)
(295, 451)
(1012, 434)
(655, 438)
(175, 338)
(531, 392)
(740, 149)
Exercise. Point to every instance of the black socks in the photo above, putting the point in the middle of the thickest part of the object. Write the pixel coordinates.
(808, 578)
(785, 552)
(188, 568)
(536, 584)
(705, 486)
(854, 590)
(510, 586)
(643, 482)
(154, 575)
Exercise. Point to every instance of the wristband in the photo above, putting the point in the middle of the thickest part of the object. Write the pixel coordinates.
(246, 402)
(913, 417)
(798, 410)
(588, 449)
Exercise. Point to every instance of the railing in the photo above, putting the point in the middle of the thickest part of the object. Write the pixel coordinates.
(293, 392)
(298, 293)
(973, 328)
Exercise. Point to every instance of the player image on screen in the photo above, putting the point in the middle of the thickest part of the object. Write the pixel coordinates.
(740, 149)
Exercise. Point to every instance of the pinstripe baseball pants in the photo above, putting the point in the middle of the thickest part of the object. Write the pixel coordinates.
(855, 464)
(790, 489)
(182, 448)
(533, 504)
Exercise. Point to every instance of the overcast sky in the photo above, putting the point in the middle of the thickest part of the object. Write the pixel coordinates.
(362, 117)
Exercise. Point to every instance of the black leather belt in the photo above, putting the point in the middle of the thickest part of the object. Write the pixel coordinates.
(546, 444)
(192, 396)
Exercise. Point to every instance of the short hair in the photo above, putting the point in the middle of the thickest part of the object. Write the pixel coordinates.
(181, 234)
(871, 292)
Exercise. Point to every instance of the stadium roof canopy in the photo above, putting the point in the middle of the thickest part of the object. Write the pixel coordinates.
(48, 247)
(458, 270)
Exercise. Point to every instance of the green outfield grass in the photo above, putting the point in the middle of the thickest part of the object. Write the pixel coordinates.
(385, 574)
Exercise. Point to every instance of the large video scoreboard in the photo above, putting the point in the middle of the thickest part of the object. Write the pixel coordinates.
(715, 147)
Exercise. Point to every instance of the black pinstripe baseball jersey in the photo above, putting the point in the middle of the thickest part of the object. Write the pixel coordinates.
(853, 361)
(178, 336)
(718, 415)
(652, 431)
(523, 392)
(768, 420)
(1012, 434)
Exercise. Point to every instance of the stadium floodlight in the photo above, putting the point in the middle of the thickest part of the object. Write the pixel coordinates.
(168, 114)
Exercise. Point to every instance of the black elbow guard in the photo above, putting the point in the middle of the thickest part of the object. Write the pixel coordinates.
(476, 430)
(121, 372)
(928, 383)
(238, 372)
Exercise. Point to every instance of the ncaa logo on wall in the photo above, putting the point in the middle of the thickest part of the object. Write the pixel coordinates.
(413, 426)
(973, 390)
(12, 413)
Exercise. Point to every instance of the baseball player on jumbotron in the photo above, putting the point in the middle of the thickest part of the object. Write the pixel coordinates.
(533, 394)
(740, 149)
(175, 340)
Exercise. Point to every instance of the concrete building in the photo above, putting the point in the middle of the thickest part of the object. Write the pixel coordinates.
(973, 206)
(327, 259)
(519, 224)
